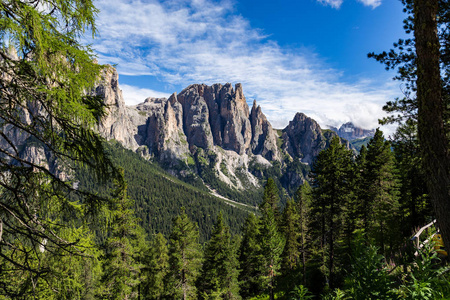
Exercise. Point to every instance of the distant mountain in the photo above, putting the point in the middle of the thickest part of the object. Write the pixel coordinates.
(350, 132)
(210, 132)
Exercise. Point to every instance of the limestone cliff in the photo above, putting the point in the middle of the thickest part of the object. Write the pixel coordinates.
(209, 127)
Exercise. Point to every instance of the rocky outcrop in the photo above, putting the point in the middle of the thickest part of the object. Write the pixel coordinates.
(160, 128)
(116, 124)
(217, 115)
(303, 138)
(350, 132)
(264, 138)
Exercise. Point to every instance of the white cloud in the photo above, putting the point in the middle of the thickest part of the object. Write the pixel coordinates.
(203, 41)
(337, 3)
(332, 3)
(372, 3)
(134, 95)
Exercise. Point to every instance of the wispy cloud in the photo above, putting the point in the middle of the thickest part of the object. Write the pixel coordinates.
(337, 3)
(372, 3)
(203, 41)
(332, 3)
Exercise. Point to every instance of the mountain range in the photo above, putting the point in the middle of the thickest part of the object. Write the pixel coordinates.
(211, 134)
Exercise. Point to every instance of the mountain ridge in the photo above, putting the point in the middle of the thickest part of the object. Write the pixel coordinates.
(211, 131)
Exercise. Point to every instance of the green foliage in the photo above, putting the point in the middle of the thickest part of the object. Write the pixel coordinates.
(414, 200)
(60, 274)
(336, 294)
(45, 111)
(271, 197)
(427, 279)
(300, 293)
(368, 277)
(291, 226)
(332, 175)
(184, 259)
(250, 258)
(121, 263)
(272, 244)
(156, 265)
(379, 193)
(219, 274)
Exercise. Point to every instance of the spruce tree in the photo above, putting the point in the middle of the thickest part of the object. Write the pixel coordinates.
(184, 259)
(290, 258)
(250, 258)
(219, 274)
(271, 197)
(414, 200)
(381, 186)
(271, 244)
(155, 268)
(121, 263)
(332, 175)
(303, 201)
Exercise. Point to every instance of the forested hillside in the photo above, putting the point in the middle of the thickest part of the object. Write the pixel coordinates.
(159, 197)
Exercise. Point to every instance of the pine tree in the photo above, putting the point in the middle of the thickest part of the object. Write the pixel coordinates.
(271, 197)
(290, 258)
(361, 207)
(121, 263)
(271, 244)
(332, 175)
(155, 268)
(414, 201)
(303, 200)
(380, 183)
(292, 234)
(219, 275)
(423, 65)
(184, 259)
(250, 258)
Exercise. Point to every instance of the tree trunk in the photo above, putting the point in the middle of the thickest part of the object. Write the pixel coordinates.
(432, 136)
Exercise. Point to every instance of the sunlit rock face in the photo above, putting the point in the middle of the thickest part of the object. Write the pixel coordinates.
(208, 125)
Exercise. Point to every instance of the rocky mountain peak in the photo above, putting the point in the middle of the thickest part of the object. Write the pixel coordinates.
(303, 138)
(351, 132)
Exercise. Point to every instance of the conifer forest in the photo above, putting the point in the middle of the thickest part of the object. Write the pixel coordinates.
(82, 217)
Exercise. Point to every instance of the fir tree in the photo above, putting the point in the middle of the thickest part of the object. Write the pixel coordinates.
(271, 245)
(121, 267)
(303, 202)
(291, 230)
(184, 259)
(250, 258)
(332, 175)
(380, 183)
(414, 201)
(271, 197)
(155, 269)
(219, 275)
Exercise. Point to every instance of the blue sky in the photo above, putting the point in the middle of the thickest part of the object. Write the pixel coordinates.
(291, 55)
